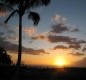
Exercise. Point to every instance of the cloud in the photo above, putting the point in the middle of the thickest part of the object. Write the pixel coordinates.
(60, 47)
(59, 19)
(54, 38)
(11, 34)
(14, 48)
(75, 46)
(8, 45)
(80, 63)
(76, 42)
(34, 52)
(72, 42)
(13, 38)
(77, 54)
(29, 31)
(39, 37)
(58, 28)
(61, 25)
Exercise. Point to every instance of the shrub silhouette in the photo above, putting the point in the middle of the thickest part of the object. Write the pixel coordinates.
(5, 59)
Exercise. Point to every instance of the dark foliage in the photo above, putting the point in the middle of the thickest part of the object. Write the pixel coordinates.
(5, 59)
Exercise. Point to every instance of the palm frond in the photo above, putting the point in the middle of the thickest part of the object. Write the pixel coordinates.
(35, 17)
(10, 16)
(37, 3)
(5, 7)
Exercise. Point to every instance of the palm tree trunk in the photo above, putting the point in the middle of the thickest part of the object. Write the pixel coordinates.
(20, 42)
(18, 64)
(20, 45)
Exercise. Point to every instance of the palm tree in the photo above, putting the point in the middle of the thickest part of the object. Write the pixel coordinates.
(21, 7)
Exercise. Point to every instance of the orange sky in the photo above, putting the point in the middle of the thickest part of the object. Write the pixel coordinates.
(47, 59)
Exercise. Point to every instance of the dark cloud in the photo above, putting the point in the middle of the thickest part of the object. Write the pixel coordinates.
(59, 28)
(72, 42)
(75, 46)
(80, 63)
(60, 47)
(66, 39)
(34, 52)
(62, 25)
(8, 45)
(14, 48)
(77, 54)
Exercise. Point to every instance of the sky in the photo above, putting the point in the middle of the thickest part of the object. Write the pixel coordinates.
(61, 33)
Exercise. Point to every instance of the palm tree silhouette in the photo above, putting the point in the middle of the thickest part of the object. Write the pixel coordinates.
(21, 7)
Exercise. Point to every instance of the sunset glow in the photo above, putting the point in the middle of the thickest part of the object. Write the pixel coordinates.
(59, 39)
(60, 61)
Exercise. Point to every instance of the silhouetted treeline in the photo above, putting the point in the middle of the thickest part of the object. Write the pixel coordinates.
(40, 73)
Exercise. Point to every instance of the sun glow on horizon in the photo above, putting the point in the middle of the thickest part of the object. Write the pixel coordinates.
(61, 61)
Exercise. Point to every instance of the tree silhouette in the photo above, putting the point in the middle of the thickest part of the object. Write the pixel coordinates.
(21, 7)
(5, 59)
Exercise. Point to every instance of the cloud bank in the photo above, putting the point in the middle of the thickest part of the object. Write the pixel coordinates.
(13, 48)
